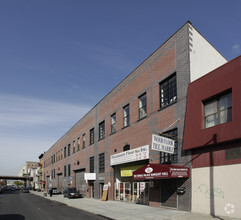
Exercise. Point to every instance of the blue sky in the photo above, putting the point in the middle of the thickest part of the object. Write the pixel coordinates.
(58, 58)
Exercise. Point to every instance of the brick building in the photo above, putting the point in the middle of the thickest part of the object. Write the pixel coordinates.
(114, 138)
(213, 134)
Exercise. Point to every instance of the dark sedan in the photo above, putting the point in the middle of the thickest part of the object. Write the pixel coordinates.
(25, 190)
(72, 193)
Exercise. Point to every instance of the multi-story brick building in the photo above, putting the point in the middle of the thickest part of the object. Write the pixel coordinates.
(213, 134)
(114, 138)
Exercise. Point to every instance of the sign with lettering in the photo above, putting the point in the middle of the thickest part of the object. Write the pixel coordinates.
(159, 171)
(127, 171)
(160, 143)
(90, 176)
(140, 153)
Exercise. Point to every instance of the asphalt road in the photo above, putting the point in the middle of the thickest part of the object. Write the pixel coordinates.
(15, 205)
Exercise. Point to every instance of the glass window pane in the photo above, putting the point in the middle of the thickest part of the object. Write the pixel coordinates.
(225, 101)
(210, 108)
(225, 116)
(211, 120)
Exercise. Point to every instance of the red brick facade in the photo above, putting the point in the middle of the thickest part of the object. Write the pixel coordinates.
(169, 59)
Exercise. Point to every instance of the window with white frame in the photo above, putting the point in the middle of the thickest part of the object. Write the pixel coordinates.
(167, 158)
(218, 110)
(102, 130)
(126, 116)
(78, 144)
(73, 147)
(102, 163)
(168, 91)
(142, 106)
(113, 123)
(92, 136)
(92, 164)
(83, 139)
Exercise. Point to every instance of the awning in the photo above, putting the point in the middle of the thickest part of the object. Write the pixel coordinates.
(159, 171)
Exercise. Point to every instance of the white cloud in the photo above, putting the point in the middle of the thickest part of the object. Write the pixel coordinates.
(30, 126)
(24, 111)
(15, 152)
(236, 48)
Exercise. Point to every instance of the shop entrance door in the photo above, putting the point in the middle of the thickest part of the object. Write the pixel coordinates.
(123, 191)
(168, 193)
(91, 189)
(140, 193)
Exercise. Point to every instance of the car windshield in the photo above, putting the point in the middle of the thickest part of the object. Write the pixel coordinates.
(72, 190)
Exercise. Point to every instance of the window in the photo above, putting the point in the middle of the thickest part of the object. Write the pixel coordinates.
(73, 147)
(102, 163)
(69, 150)
(65, 174)
(168, 91)
(113, 123)
(166, 157)
(78, 143)
(233, 153)
(83, 141)
(126, 147)
(92, 165)
(64, 152)
(92, 136)
(126, 115)
(218, 110)
(102, 130)
(142, 106)
(53, 174)
(69, 170)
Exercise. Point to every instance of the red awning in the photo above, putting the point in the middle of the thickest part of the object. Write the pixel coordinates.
(159, 171)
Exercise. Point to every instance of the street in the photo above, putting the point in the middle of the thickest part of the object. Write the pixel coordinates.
(15, 205)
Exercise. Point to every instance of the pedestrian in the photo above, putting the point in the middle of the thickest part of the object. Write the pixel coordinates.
(50, 192)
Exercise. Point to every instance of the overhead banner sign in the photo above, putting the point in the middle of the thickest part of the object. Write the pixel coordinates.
(140, 153)
(159, 171)
(163, 144)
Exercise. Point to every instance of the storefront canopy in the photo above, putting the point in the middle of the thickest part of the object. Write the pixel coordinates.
(159, 171)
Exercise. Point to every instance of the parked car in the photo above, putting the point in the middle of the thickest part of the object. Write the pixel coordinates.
(25, 190)
(55, 191)
(72, 193)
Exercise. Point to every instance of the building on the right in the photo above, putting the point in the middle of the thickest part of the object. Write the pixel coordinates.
(213, 134)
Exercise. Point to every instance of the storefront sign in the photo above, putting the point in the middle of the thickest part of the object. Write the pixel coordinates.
(140, 153)
(142, 186)
(90, 176)
(105, 187)
(163, 144)
(159, 171)
(127, 171)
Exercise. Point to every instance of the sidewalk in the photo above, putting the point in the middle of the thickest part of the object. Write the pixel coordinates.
(122, 210)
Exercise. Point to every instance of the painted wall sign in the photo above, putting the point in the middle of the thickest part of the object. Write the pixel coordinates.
(160, 143)
(140, 153)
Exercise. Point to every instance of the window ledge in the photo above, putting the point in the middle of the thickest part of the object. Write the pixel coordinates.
(126, 126)
(160, 109)
(142, 118)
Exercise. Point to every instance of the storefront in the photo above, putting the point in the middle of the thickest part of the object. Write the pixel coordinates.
(90, 180)
(124, 164)
(164, 182)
